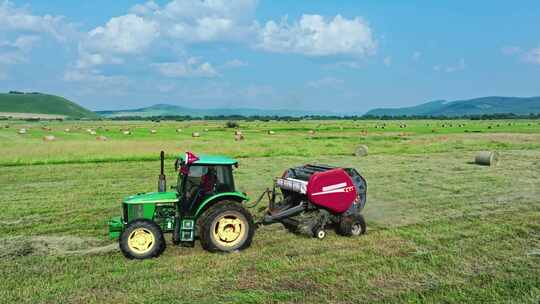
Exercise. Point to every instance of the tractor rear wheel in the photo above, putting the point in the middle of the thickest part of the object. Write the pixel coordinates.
(142, 239)
(226, 227)
(352, 225)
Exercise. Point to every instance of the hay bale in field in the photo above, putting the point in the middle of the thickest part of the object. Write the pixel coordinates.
(311, 132)
(89, 130)
(195, 134)
(361, 150)
(206, 130)
(126, 132)
(45, 128)
(49, 138)
(101, 138)
(237, 132)
(239, 137)
(270, 132)
(153, 131)
(178, 130)
(93, 133)
(22, 131)
(67, 130)
(486, 158)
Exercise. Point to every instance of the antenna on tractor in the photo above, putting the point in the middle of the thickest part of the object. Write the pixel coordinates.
(162, 182)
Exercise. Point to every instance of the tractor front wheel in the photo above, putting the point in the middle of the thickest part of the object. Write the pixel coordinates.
(142, 239)
(226, 227)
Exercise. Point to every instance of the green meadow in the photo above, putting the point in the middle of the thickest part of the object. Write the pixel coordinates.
(441, 229)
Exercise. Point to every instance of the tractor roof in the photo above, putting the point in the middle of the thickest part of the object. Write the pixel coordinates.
(212, 160)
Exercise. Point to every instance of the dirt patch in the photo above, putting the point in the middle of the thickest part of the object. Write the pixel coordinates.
(53, 245)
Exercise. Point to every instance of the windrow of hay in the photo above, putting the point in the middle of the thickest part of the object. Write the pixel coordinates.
(53, 245)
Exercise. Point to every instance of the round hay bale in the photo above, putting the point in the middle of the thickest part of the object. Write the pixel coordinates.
(195, 134)
(237, 132)
(126, 132)
(22, 131)
(311, 132)
(178, 130)
(270, 132)
(486, 158)
(361, 150)
(49, 138)
(239, 137)
(153, 131)
(101, 138)
(93, 133)
(67, 130)
(89, 130)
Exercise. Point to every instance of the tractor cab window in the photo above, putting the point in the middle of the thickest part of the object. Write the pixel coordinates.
(205, 180)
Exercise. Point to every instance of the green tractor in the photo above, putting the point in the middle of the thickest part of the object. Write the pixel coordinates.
(203, 204)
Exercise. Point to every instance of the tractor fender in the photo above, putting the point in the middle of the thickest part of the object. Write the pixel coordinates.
(234, 196)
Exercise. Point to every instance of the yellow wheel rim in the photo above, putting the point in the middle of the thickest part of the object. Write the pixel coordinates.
(141, 240)
(229, 230)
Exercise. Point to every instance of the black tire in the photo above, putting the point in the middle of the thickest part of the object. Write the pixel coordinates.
(352, 225)
(209, 219)
(156, 247)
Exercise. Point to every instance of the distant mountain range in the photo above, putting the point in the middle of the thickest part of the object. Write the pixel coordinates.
(28, 104)
(38, 103)
(172, 110)
(477, 106)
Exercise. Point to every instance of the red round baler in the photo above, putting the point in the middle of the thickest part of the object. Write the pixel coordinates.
(315, 196)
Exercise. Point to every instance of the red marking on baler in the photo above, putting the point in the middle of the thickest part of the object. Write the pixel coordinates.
(335, 199)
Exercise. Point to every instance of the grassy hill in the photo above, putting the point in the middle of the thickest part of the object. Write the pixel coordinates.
(477, 106)
(37, 103)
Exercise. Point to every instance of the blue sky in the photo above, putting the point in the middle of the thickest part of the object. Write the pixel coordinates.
(342, 56)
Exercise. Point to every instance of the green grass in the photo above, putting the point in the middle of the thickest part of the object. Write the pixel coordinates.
(43, 104)
(440, 229)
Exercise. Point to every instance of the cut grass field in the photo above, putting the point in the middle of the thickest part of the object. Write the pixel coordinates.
(440, 229)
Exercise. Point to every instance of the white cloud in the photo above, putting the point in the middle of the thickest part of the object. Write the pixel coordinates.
(235, 63)
(416, 56)
(313, 35)
(195, 21)
(511, 50)
(20, 20)
(94, 81)
(190, 68)
(330, 82)
(387, 61)
(13, 52)
(533, 56)
(128, 34)
(451, 68)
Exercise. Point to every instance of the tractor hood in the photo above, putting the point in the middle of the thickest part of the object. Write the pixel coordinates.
(152, 197)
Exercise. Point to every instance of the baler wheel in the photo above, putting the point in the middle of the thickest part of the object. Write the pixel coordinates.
(226, 227)
(319, 233)
(353, 225)
(142, 239)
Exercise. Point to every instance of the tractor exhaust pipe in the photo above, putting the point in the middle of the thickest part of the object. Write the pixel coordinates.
(162, 182)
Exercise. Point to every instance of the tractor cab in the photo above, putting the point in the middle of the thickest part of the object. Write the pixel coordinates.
(204, 177)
